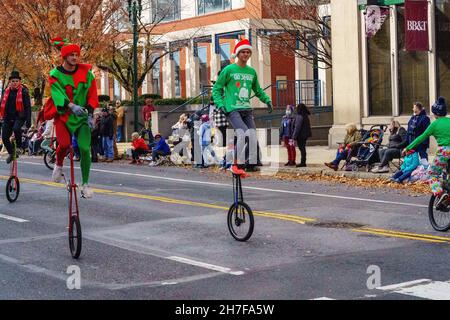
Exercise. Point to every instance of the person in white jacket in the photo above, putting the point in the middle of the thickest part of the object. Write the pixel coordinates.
(48, 135)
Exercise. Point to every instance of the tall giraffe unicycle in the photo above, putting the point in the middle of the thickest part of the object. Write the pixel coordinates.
(13, 183)
(75, 237)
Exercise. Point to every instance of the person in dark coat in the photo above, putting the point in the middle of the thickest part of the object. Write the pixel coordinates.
(417, 125)
(15, 110)
(107, 134)
(398, 140)
(302, 131)
(286, 131)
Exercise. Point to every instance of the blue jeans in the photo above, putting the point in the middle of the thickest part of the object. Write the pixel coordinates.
(108, 147)
(339, 157)
(422, 152)
(119, 133)
(76, 150)
(401, 175)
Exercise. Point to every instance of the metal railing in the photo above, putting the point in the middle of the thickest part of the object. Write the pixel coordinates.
(205, 92)
(294, 92)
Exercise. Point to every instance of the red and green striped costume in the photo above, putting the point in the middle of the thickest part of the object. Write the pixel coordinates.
(80, 88)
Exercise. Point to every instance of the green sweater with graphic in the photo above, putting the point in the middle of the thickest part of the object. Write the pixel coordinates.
(440, 129)
(233, 89)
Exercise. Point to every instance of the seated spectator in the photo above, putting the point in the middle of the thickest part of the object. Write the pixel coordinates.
(179, 129)
(398, 140)
(368, 146)
(349, 146)
(420, 174)
(161, 149)
(139, 147)
(35, 142)
(48, 136)
(410, 163)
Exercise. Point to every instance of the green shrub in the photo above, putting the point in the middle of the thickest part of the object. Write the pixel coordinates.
(170, 102)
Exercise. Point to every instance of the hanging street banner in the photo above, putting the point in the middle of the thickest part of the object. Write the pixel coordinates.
(375, 17)
(416, 25)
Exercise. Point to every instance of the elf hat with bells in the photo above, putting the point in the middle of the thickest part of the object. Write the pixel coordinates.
(66, 47)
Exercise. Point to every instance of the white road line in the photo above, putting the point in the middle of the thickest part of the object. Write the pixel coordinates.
(205, 265)
(253, 188)
(4, 216)
(434, 290)
(323, 298)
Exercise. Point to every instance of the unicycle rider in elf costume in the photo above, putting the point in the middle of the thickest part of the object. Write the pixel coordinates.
(73, 100)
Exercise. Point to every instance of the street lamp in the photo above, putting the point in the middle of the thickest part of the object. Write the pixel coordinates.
(135, 9)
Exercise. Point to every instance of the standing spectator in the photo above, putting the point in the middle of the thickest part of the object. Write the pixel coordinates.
(302, 131)
(161, 149)
(138, 147)
(95, 137)
(120, 121)
(193, 124)
(107, 134)
(349, 147)
(417, 125)
(205, 141)
(221, 124)
(398, 140)
(113, 113)
(286, 134)
(147, 118)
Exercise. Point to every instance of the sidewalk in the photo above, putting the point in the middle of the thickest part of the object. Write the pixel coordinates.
(275, 157)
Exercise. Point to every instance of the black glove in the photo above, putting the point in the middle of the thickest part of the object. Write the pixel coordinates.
(269, 107)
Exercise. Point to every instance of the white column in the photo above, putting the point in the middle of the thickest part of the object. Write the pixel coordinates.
(432, 53)
(394, 62)
(104, 82)
(215, 58)
(145, 82)
(192, 72)
(261, 62)
(168, 77)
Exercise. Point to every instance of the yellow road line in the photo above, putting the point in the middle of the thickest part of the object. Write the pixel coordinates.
(273, 215)
(395, 235)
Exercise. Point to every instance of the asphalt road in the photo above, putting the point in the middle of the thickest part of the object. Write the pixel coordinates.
(161, 233)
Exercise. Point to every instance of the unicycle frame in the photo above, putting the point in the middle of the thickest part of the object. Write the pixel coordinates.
(237, 189)
(72, 190)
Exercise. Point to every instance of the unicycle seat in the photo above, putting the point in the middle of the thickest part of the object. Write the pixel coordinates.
(238, 172)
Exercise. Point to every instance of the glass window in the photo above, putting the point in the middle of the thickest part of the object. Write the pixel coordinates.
(166, 10)
(443, 47)
(203, 66)
(155, 75)
(177, 71)
(208, 6)
(413, 76)
(379, 69)
(224, 55)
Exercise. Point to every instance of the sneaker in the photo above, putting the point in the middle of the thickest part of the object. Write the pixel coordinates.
(9, 159)
(57, 174)
(384, 169)
(153, 164)
(133, 162)
(301, 165)
(86, 192)
(331, 166)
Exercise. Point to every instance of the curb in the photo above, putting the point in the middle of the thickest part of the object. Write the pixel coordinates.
(331, 173)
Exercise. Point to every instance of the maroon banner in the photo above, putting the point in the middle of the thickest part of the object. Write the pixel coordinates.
(416, 25)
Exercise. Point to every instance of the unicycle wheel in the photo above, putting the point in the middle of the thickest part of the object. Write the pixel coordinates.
(240, 221)
(439, 219)
(75, 239)
(12, 189)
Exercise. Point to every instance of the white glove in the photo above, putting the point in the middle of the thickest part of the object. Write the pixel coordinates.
(76, 109)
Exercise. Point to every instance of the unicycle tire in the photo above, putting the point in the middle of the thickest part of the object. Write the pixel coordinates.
(240, 215)
(49, 159)
(440, 220)
(12, 189)
(75, 238)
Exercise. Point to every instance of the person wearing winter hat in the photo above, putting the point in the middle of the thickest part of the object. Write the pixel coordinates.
(286, 134)
(232, 92)
(15, 111)
(73, 100)
(440, 129)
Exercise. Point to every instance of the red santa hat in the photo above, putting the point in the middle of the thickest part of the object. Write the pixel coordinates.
(66, 47)
(244, 44)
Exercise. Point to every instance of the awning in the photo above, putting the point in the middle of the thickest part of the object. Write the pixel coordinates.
(364, 3)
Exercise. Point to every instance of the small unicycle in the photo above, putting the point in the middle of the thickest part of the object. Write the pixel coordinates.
(440, 215)
(13, 183)
(240, 216)
(75, 237)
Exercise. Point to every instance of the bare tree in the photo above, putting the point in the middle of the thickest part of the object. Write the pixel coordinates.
(301, 27)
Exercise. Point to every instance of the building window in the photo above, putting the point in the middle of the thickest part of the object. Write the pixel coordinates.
(208, 6)
(203, 66)
(443, 47)
(177, 72)
(166, 10)
(379, 72)
(224, 55)
(413, 76)
(156, 75)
